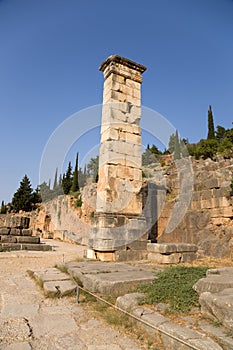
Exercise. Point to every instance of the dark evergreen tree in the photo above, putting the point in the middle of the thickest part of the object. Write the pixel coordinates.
(3, 208)
(55, 183)
(177, 146)
(220, 133)
(23, 198)
(171, 144)
(67, 180)
(75, 183)
(211, 132)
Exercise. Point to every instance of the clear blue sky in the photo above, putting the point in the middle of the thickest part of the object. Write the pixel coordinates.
(51, 51)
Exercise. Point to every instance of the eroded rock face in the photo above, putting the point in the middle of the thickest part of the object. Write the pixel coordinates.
(208, 221)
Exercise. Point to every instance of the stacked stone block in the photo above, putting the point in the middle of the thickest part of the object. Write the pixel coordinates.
(118, 220)
(208, 219)
(16, 235)
(120, 174)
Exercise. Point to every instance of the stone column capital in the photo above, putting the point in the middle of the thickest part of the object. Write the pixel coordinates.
(122, 66)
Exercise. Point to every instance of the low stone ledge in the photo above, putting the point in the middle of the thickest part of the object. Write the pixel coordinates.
(213, 283)
(168, 248)
(27, 239)
(187, 335)
(173, 335)
(55, 282)
(174, 258)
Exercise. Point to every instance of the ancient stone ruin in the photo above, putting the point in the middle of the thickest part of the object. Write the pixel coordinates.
(16, 235)
(119, 227)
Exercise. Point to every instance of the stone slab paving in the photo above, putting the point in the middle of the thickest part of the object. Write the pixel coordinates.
(29, 321)
(110, 278)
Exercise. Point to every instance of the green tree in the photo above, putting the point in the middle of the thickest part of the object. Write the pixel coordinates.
(67, 180)
(55, 183)
(75, 183)
(211, 132)
(154, 149)
(23, 198)
(45, 192)
(206, 149)
(93, 168)
(3, 208)
(171, 144)
(220, 133)
(177, 146)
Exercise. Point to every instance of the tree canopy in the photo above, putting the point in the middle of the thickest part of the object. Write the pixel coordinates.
(25, 198)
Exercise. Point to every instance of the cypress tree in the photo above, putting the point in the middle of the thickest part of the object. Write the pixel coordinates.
(211, 133)
(55, 180)
(177, 146)
(3, 208)
(75, 184)
(67, 180)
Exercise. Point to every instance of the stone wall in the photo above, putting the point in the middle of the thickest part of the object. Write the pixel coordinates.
(61, 219)
(208, 222)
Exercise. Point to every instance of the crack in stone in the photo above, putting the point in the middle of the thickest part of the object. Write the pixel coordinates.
(29, 327)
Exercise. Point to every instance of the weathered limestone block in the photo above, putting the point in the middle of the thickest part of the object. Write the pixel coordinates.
(167, 248)
(15, 231)
(9, 246)
(213, 283)
(161, 248)
(129, 301)
(192, 337)
(4, 230)
(28, 239)
(174, 258)
(188, 257)
(17, 221)
(8, 239)
(218, 306)
(26, 232)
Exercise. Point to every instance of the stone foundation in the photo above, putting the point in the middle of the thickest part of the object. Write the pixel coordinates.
(16, 235)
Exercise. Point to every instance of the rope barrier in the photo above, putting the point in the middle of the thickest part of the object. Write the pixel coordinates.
(193, 347)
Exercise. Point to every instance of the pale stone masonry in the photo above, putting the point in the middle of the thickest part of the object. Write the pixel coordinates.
(119, 220)
(120, 173)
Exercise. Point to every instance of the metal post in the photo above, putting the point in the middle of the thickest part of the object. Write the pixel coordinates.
(77, 294)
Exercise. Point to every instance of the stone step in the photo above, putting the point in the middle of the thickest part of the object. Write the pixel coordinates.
(13, 231)
(214, 283)
(24, 246)
(109, 278)
(171, 333)
(19, 239)
(54, 282)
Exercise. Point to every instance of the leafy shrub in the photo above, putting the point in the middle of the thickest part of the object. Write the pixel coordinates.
(79, 202)
(174, 287)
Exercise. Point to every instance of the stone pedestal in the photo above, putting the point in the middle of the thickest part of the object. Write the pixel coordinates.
(119, 218)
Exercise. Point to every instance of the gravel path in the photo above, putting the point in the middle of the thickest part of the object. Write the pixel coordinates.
(28, 321)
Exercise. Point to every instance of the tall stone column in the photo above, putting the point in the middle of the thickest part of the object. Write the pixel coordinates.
(119, 200)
